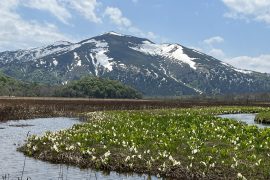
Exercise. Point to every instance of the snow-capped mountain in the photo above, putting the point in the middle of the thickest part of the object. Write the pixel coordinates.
(154, 69)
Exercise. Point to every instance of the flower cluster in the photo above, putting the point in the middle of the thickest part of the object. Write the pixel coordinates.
(160, 141)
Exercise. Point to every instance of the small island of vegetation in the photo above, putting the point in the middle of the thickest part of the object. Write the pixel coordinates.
(177, 143)
(263, 117)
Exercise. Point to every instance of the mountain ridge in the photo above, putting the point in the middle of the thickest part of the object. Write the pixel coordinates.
(154, 69)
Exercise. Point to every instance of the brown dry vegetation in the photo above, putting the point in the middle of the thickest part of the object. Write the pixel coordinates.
(13, 108)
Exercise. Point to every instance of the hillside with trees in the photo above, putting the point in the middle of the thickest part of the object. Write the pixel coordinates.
(91, 87)
(12, 87)
(94, 87)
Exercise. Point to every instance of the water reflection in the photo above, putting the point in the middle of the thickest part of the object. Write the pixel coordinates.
(13, 134)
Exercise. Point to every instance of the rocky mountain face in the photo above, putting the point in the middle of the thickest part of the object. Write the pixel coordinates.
(153, 69)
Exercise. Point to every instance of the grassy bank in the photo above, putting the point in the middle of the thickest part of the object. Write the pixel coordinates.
(263, 117)
(177, 143)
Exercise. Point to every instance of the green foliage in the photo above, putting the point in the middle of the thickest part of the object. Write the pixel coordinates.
(86, 87)
(163, 142)
(263, 117)
(98, 88)
(13, 87)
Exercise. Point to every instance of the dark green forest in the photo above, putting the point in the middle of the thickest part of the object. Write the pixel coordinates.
(94, 87)
(88, 86)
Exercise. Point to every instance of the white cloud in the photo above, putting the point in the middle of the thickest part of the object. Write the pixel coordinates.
(209, 46)
(53, 6)
(260, 63)
(217, 53)
(116, 16)
(61, 8)
(125, 25)
(17, 33)
(138, 32)
(258, 10)
(214, 40)
(87, 8)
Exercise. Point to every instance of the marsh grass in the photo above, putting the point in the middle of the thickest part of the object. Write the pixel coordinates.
(15, 108)
(176, 143)
(263, 117)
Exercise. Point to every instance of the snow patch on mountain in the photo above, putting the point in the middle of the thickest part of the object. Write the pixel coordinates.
(79, 63)
(42, 62)
(114, 33)
(77, 59)
(225, 64)
(100, 54)
(55, 62)
(236, 69)
(171, 51)
(38, 53)
(76, 55)
(243, 71)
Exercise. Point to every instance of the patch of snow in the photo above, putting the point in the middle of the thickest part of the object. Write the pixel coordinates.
(42, 62)
(156, 75)
(91, 55)
(243, 71)
(236, 69)
(55, 62)
(114, 33)
(100, 54)
(87, 58)
(78, 59)
(79, 63)
(76, 55)
(103, 59)
(38, 53)
(172, 51)
(94, 63)
(225, 64)
(44, 51)
(98, 44)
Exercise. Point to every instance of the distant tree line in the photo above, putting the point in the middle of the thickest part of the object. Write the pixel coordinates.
(94, 87)
(88, 86)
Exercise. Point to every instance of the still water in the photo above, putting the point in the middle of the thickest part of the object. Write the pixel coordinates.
(13, 134)
(247, 118)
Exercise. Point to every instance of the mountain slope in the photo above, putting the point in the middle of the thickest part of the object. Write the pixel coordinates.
(154, 69)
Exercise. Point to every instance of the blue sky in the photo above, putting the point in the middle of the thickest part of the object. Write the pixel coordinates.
(235, 31)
